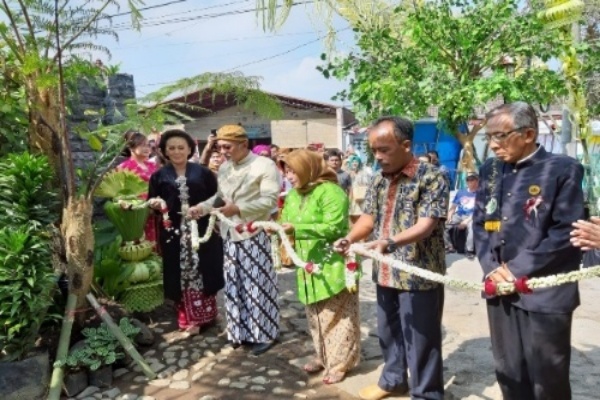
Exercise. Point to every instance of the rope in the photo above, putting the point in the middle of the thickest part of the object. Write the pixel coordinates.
(522, 285)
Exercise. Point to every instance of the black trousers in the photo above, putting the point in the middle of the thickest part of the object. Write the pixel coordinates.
(409, 326)
(532, 352)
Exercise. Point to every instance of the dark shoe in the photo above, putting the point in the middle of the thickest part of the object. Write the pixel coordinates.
(260, 348)
(470, 255)
(450, 250)
(235, 345)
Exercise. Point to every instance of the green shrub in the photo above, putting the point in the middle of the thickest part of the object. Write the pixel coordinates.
(26, 284)
(27, 195)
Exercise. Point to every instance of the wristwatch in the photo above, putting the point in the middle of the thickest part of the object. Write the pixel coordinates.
(391, 246)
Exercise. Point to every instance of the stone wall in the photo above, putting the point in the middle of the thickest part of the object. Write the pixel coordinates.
(107, 99)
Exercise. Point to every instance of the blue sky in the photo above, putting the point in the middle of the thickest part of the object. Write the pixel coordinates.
(171, 50)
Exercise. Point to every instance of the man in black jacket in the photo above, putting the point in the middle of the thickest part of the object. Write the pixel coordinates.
(527, 201)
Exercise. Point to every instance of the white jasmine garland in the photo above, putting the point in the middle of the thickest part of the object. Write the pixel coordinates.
(360, 249)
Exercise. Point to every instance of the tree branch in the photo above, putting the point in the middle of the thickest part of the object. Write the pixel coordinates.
(63, 134)
(29, 24)
(13, 25)
(85, 26)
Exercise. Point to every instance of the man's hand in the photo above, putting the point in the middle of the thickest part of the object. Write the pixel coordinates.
(502, 275)
(229, 210)
(378, 245)
(342, 246)
(195, 212)
(586, 234)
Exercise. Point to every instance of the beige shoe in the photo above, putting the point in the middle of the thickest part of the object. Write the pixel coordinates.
(373, 392)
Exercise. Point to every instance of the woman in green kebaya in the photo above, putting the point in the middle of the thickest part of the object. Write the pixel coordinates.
(316, 212)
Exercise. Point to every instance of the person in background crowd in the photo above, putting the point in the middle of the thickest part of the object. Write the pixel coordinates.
(274, 152)
(361, 178)
(461, 214)
(424, 158)
(403, 216)
(137, 148)
(434, 158)
(349, 153)
(191, 278)
(524, 211)
(211, 156)
(586, 234)
(262, 150)
(248, 191)
(316, 211)
(334, 161)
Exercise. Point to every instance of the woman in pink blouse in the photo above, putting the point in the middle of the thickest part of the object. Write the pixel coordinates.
(138, 150)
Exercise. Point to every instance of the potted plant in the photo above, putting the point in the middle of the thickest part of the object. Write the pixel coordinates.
(123, 208)
(135, 278)
(98, 354)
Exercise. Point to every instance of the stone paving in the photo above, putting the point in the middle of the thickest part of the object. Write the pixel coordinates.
(205, 367)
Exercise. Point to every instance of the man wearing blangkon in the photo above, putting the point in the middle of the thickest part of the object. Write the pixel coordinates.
(527, 200)
(403, 215)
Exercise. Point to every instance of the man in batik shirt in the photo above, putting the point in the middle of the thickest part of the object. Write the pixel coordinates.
(403, 216)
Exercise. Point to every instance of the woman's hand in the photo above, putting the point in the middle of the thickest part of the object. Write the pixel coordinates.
(586, 234)
(155, 203)
(287, 227)
(342, 246)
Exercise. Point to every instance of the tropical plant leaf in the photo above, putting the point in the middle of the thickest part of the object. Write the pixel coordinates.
(121, 183)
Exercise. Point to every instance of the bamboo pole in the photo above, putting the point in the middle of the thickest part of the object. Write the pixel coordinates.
(63, 348)
(125, 342)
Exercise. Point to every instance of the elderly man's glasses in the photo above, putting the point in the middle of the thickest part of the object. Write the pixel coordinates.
(500, 137)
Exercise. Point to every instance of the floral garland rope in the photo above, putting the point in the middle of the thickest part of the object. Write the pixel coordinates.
(522, 285)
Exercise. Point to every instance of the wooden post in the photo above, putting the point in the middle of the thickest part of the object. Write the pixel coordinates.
(63, 348)
(125, 342)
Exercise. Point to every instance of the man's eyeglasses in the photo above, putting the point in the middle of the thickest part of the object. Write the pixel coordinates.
(500, 137)
(225, 147)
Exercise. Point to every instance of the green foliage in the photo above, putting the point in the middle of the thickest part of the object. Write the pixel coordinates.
(110, 273)
(119, 184)
(26, 193)
(448, 54)
(13, 106)
(101, 347)
(26, 283)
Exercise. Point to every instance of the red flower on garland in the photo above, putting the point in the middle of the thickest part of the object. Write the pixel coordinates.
(521, 285)
(167, 223)
(489, 287)
(309, 267)
(250, 228)
(239, 228)
(352, 266)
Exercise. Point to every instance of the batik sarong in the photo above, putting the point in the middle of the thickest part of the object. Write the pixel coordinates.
(334, 325)
(250, 290)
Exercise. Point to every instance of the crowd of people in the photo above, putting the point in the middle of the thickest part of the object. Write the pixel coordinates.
(523, 213)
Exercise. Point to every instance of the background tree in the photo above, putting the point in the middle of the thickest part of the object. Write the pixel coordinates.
(41, 37)
(591, 38)
(449, 54)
